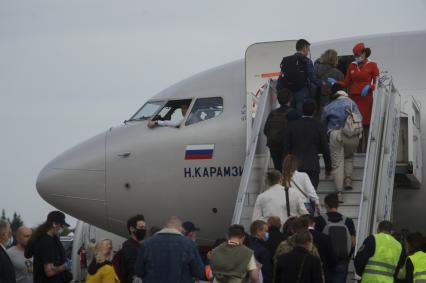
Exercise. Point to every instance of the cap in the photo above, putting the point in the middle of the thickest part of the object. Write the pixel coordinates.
(358, 48)
(190, 227)
(58, 217)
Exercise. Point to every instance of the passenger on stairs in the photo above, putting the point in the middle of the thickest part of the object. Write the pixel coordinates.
(273, 201)
(380, 256)
(325, 67)
(297, 74)
(324, 246)
(299, 181)
(341, 230)
(306, 138)
(275, 125)
(342, 145)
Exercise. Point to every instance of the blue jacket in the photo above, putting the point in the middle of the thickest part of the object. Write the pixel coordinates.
(335, 113)
(168, 257)
(309, 69)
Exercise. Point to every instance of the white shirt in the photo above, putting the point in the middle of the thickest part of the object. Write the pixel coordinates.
(23, 266)
(302, 180)
(272, 202)
(169, 123)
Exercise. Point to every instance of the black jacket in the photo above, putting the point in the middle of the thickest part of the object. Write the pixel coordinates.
(7, 271)
(298, 266)
(325, 250)
(130, 253)
(275, 238)
(306, 138)
(262, 255)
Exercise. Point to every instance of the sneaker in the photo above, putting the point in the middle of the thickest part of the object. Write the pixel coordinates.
(348, 183)
(340, 197)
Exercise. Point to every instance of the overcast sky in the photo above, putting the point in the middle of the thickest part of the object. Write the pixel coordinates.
(71, 69)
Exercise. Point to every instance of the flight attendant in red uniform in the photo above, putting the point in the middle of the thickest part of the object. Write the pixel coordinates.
(360, 80)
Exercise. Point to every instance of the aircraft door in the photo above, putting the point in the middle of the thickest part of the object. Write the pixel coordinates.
(263, 63)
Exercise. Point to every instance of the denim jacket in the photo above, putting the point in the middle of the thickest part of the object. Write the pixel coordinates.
(335, 113)
(168, 257)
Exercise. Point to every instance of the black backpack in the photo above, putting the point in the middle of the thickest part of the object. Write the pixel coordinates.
(276, 126)
(293, 73)
(340, 237)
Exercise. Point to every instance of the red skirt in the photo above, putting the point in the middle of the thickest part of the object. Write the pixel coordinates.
(365, 106)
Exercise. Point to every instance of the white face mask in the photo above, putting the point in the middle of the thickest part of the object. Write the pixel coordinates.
(266, 238)
(60, 231)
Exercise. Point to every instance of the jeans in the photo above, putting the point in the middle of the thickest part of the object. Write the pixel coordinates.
(339, 273)
(299, 97)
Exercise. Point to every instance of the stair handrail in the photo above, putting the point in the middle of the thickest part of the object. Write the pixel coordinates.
(367, 216)
(250, 154)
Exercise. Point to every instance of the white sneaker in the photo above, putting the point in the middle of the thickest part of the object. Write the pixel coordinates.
(348, 183)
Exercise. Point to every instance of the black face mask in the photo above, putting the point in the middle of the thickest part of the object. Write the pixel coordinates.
(140, 234)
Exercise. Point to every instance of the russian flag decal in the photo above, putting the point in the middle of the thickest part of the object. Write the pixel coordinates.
(199, 151)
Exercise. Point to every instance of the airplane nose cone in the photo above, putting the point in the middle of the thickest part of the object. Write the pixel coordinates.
(74, 182)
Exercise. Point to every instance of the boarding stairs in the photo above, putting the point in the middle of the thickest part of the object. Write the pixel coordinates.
(370, 200)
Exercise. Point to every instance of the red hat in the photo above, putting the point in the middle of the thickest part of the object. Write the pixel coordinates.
(358, 48)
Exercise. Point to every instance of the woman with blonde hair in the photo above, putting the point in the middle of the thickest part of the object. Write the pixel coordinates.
(100, 269)
(299, 181)
(326, 67)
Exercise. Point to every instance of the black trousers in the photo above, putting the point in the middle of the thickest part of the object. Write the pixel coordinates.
(313, 176)
(277, 158)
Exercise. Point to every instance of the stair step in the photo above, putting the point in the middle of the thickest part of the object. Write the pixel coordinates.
(329, 187)
(357, 175)
(359, 161)
(348, 198)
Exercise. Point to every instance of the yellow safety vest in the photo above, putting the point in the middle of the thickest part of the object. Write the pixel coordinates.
(419, 263)
(382, 265)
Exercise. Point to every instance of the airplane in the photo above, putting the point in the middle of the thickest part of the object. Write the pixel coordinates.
(194, 171)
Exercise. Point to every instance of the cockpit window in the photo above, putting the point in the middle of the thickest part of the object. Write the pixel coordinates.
(147, 111)
(204, 109)
(173, 113)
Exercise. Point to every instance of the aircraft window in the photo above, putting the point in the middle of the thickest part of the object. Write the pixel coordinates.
(204, 109)
(147, 111)
(173, 112)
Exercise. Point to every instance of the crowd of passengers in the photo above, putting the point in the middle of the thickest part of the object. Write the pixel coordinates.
(303, 249)
(322, 111)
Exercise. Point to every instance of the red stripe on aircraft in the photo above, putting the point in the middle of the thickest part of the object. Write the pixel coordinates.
(198, 156)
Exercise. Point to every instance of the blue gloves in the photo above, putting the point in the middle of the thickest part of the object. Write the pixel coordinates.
(365, 90)
(331, 81)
